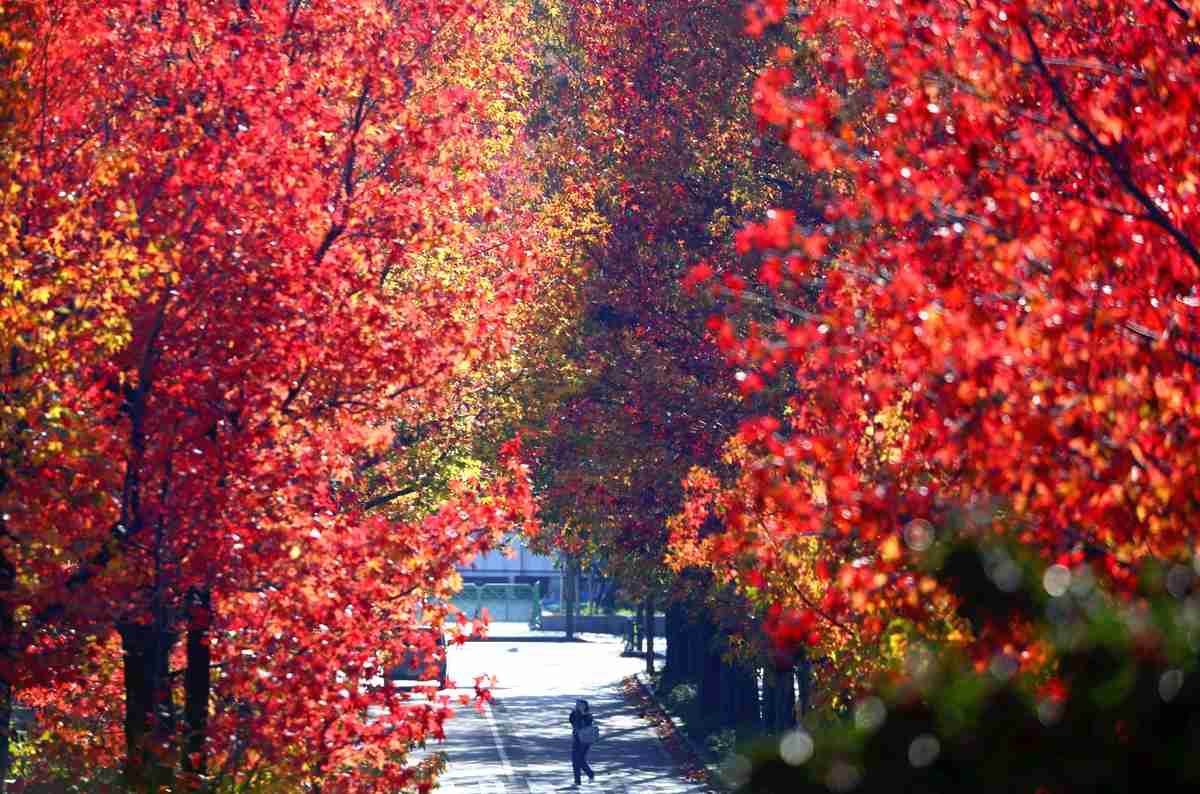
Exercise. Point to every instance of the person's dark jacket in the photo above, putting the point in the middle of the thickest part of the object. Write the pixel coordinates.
(579, 720)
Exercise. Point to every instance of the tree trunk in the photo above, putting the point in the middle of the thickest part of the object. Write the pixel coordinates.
(6, 709)
(649, 634)
(770, 700)
(197, 683)
(738, 694)
(804, 678)
(726, 710)
(744, 696)
(709, 658)
(8, 580)
(640, 629)
(149, 712)
(785, 717)
(609, 586)
(569, 595)
(672, 668)
(695, 642)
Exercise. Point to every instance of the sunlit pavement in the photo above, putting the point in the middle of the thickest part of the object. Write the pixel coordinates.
(523, 743)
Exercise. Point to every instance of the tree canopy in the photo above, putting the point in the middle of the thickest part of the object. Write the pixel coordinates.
(867, 331)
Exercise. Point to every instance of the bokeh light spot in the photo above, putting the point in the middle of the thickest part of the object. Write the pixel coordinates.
(796, 747)
(869, 714)
(918, 534)
(1057, 580)
(924, 750)
(736, 770)
(843, 776)
(1169, 685)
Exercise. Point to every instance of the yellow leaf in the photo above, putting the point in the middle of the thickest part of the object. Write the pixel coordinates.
(890, 550)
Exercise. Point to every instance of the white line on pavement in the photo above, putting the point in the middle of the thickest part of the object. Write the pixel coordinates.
(491, 719)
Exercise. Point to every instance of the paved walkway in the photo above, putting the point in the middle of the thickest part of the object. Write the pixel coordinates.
(521, 631)
(522, 744)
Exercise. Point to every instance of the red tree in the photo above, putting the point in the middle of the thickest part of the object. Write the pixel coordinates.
(282, 172)
(1006, 290)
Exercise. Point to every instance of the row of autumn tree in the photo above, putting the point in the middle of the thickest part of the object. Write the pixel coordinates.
(858, 335)
(887, 361)
(652, 105)
(264, 265)
(656, 98)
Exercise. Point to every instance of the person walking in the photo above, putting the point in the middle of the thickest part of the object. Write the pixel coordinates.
(582, 735)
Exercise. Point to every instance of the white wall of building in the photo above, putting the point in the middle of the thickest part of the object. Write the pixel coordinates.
(520, 564)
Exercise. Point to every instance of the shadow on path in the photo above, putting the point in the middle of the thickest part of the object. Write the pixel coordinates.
(628, 758)
(522, 744)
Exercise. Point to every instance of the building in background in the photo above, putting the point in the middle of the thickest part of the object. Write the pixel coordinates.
(522, 567)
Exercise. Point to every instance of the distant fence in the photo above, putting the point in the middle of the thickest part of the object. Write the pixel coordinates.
(600, 624)
(512, 603)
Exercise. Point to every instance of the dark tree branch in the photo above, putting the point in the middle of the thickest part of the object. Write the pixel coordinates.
(1118, 166)
(1180, 10)
(387, 498)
